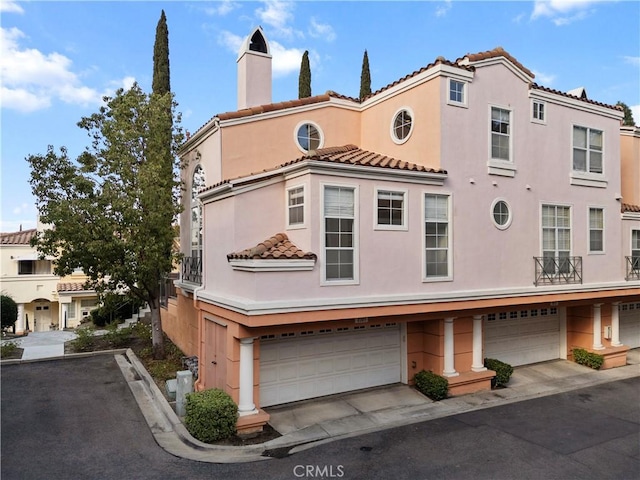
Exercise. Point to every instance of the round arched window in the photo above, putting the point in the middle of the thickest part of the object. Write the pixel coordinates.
(402, 125)
(308, 137)
(501, 214)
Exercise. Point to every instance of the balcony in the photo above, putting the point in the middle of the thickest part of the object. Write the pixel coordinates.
(633, 268)
(557, 270)
(192, 270)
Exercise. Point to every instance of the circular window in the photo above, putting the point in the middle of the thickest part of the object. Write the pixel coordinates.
(308, 137)
(402, 125)
(501, 214)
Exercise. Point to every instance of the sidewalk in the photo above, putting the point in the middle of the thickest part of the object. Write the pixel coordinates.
(307, 424)
(41, 345)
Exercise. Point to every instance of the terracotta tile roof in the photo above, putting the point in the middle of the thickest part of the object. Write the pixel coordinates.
(535, 86)
(346, 155)
(495, 53)
(72, 287)
(277, 247)
(22, 237)
(627, 207)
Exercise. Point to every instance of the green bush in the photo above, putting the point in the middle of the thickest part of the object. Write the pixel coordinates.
(503, 370)
(8, 311)
(84, 339)
(211, 415)
(8, 348)
(117, 337)
(588, 359)
(432, 385)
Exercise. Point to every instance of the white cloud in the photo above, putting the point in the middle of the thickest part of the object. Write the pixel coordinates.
(285, 60)
(230, 41)
(9, 6)
(321, 30)
(277, 14)
(32, 79)
(443, 9)
(563, 12)
(221, 8)
(632, 60)
(544, 78)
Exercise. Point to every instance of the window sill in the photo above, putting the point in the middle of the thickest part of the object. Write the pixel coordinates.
(400, 228)
(501, 168)
(457, 104)
(437, 279)
(583, 179)
(336, 283)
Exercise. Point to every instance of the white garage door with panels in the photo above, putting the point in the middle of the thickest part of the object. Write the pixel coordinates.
(630, 324)
(313, 363)
(521, 337)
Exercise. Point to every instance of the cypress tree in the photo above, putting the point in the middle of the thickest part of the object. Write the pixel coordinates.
(365, 77)
(304, 80)
(161, 83)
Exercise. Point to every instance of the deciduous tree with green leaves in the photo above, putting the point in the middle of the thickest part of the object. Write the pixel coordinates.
(365, 77)
(628, 115)
(111, 210)
(304, 80)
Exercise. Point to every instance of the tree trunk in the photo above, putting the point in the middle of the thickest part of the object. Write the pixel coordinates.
(156, 330)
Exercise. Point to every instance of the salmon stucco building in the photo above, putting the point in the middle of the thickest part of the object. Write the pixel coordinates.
(462, 212)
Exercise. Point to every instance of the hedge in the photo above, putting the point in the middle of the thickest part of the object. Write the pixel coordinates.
(211, 415)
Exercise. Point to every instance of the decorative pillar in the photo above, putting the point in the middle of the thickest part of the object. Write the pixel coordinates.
(65, 315)
(597, 327)
(615, 324)
(20, 321)
(449, 369)
(478, 363)
(245, 404)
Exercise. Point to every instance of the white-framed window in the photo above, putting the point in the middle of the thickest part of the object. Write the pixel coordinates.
(197, 184)
(340, 234)
(390, 209)
(457, 94)
(538, 111)
(437, 237)
(635, 249)
(501, 213)
(556, 238)
(308, 136)
(71, 312)
(402, 125)
(295, 206)
(596, 230)
(501, 134)
(587, 150)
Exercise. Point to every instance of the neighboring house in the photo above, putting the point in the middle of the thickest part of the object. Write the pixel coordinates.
(45, 301)
(461, 212)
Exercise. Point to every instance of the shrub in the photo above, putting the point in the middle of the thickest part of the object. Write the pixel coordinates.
(84, 339)
(432, 385)
(211, 415)
(503, 370)
(117, 337)
(8, 311)
(588, 359)
(8, 348)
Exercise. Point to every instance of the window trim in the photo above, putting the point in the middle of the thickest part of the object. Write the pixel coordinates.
(571, 229)
(356, 236)
(631, 249)
(604, 229)
(464, 102)
(300, 125)
(195, 202)
(587, 178)
(543, 120)
(510, 210)
(405, 201)
(392, 131)
(287, 207)
(423, 268)
(499, 166)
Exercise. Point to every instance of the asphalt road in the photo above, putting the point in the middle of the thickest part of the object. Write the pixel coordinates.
(76, 419)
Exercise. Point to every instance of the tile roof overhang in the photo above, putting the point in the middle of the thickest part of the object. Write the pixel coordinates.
(627, 207)
(65, 287)
(276, 253)
(348, 160)
(496, 53)
(23, 237)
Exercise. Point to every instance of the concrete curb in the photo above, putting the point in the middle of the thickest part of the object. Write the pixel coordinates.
(66, 356)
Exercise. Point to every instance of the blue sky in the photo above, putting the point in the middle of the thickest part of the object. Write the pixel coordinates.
(58, 59)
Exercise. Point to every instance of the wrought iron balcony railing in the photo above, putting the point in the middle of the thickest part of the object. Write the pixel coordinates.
(633, 268)
(557, 270)
(192, 270)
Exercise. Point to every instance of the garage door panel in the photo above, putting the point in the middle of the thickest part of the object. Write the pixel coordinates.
(327, 364)
(630, 324)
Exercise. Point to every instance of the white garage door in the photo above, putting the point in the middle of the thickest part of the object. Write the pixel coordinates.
(630, 324)
(522, 337)
(302, 365)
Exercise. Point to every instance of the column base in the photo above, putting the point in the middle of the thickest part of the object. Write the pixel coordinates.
(470, 382)
(253, 423)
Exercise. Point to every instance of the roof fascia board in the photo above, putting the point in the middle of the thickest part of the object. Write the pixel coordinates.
(211, 127)
(272, 265)
(628, 131)
(575, 103)
(631, 216)
(487, 62)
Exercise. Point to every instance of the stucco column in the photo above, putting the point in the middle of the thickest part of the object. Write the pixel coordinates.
(478, 363)
(245, 404)
(597, 327)
(20, 321)
(65, 315)
(449, 369)
(615, 324)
